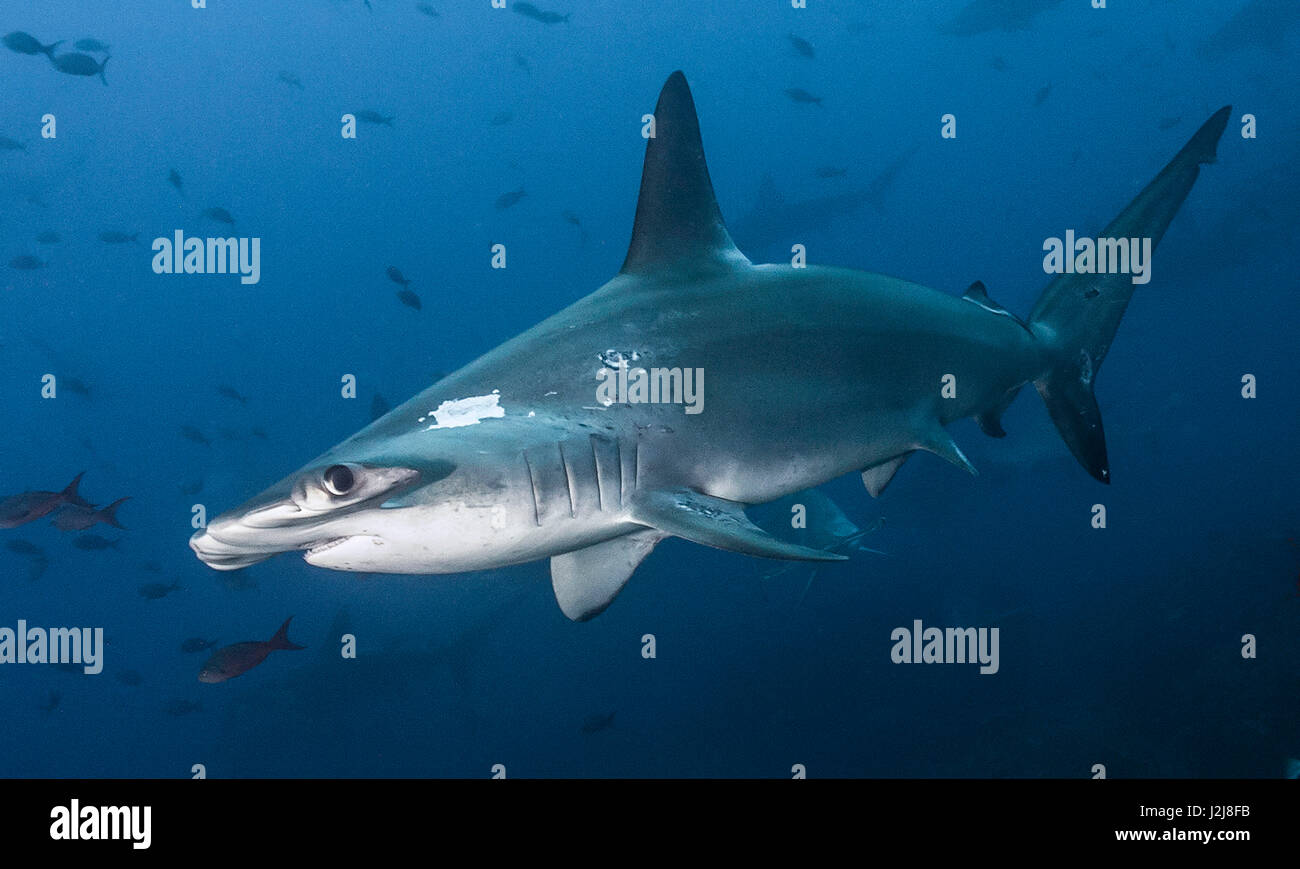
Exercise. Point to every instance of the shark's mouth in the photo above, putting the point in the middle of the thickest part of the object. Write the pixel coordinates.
(322, 547)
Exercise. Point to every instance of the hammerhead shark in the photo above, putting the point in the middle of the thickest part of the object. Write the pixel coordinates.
(812, 372)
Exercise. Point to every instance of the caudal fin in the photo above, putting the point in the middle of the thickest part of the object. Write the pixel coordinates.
(1077, 314)
(109, 513)
(103, 64)
(49, 49)
(70, 496)
(281, 638)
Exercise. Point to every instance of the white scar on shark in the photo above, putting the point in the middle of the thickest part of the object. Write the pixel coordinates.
(595, 489)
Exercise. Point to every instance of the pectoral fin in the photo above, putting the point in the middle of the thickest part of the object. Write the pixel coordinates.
(587, 580)
(714, 522)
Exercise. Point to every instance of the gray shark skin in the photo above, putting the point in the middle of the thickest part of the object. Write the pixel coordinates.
(810, 373)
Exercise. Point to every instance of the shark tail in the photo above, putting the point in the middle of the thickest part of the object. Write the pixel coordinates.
(1077, 314)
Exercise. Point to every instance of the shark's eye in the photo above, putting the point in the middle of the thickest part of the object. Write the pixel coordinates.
(339, 479)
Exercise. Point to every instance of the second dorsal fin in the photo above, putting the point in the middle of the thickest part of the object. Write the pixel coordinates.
(979, 295)
(678, 224)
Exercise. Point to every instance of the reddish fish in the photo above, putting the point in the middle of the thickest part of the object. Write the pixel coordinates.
(231, 661)
(29, 506)
(74, 517)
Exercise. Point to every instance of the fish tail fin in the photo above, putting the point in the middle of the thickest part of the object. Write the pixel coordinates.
(70, 495)
(49, 49)
(281, 638)
(102, 66)
(1077, 315)
(109, 513)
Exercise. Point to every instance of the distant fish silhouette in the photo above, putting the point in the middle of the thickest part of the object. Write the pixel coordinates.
(76, 386)
(94, 543)
(219, 214)
(51, 701)
(409, 299)
(157, 590)
(236, 660)
(190, 433)
(113, 236)
(799, 95)
(231, 393)
(528, 10)
(25, 43)
(193, 487)
(23, 547)
(597, 723)
(27, 262)
(290, 79)
(81, 64)
(174, 178)
(500, 119)
(258, 433)
(506, 200)
(49, 236)
(395, 275)
(8, 144)
(522, 63)
(426, 9)
(803, 46)
(1042, 95)
(371, 117)
(830, 172)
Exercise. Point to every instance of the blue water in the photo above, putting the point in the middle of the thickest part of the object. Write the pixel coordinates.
(1119, 647)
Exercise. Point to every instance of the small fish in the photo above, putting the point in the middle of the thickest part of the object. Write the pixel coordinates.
(219, 214)
(371, 117)
(803, 46)
(597, 723)
(174, 178)
(129, 677)
(113, 236)
(500, 119)
(91, 45)
(81, 64)
(522, 63)
(180, 707)
(25, 43)
(77, 518)
(49, 236)
(230, 392)
(94, 543)
(409, 299)
(157, 590)
(26, 262)
(8, 144)
(378, 407)
(426, 9)
(290, 79)
(258, 433)
(23, 547)
(505, 200)
(190, 433)
(29, 506)
(570, 217)
(75, 385)
(193, 487)
(999, 63)
(830, 172)
(528, 10)
(196, 644)
(799, 95)
(1170, 123)
(1042, 95)
(51, 701)
(395, 275)
(232, 661)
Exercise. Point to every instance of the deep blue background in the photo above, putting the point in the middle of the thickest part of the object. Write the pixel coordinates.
(1119, 647)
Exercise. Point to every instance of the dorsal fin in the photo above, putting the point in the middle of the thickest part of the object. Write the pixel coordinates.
(978, 294)
(678, 224)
